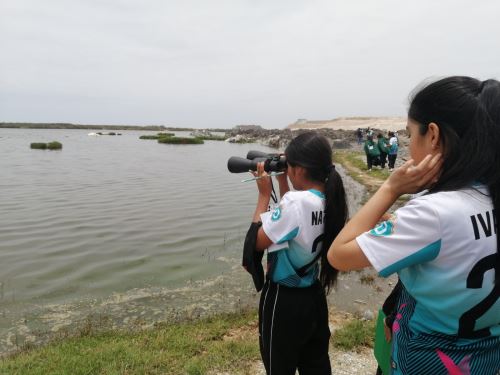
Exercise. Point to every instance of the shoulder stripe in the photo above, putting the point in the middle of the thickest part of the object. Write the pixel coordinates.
(289, 236)
(426, 254)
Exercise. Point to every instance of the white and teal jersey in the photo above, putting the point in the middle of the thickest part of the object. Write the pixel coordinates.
(443, 247)
(296, 229)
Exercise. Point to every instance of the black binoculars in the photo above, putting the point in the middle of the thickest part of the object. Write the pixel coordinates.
(272, 162)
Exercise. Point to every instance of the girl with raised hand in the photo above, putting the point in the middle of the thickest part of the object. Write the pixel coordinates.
(443, 244)
(293, 312)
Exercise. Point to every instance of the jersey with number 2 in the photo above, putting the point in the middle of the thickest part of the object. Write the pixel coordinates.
(296, 227)
(443, 247)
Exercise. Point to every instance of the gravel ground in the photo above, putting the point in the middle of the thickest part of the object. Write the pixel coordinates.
(343, 363)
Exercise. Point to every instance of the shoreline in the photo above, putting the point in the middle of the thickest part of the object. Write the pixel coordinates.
(341, 123)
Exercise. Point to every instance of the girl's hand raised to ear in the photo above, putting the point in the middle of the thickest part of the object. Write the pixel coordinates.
(411, 178)
(263, 181)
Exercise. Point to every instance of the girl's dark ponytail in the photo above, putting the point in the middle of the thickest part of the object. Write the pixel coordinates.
(336, 214)
(489, 115)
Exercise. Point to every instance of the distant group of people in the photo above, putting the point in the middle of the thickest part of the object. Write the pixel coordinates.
(382, 151)
(442, 244)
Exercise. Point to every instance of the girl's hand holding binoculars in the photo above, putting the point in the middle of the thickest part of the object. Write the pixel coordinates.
(263, 181)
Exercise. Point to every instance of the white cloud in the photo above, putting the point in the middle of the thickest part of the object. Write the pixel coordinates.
(221, 63)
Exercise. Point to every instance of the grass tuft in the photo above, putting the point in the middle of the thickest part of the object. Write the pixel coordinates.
(355, 334)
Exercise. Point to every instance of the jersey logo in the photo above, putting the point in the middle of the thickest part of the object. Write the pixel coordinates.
(276, 214)
(385, 228)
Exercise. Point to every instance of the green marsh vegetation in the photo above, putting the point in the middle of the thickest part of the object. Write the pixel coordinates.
(212, 137)
(181, 140)
(157, 136)
(172, 139)
(46, 146)
(54, 145)
(38, 146)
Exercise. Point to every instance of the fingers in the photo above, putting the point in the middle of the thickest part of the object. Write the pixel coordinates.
(434, 170)
(411, 178)
(427, 171)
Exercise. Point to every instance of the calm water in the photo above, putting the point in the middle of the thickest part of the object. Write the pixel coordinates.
(112, 213)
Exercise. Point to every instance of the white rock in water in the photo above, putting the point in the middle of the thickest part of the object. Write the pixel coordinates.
(235, 139)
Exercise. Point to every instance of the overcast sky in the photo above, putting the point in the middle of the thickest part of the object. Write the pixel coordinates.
(221, 63)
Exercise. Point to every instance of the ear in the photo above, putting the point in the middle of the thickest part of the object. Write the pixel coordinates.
(301, 171)
(434, 136)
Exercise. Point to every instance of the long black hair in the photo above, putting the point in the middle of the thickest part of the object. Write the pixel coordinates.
(313, 152)
(467, 112)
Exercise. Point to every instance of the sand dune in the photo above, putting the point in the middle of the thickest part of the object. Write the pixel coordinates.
(352, 123)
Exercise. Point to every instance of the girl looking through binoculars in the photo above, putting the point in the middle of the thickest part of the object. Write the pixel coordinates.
(293, 312)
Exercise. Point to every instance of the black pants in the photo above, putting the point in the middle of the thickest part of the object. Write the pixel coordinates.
(392, 160)
(383, 159)
(372, 160)
(293, 330)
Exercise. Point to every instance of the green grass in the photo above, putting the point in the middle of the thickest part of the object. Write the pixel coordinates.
(354, 334)
(358, 161)
(181, 140)
(355, 164)
(223, 343)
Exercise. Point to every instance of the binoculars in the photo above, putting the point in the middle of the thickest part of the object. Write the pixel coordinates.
(272, 162)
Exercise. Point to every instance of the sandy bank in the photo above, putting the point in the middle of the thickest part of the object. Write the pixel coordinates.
(352, 123)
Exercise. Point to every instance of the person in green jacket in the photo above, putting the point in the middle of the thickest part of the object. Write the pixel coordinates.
(383, 144)
(372, 152)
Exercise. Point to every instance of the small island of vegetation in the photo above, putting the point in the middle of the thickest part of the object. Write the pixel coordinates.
(170, 138)
(47, 146)
(181, 140)
(157, 136)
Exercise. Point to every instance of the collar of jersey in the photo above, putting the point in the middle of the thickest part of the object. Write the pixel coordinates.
(318, 193)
